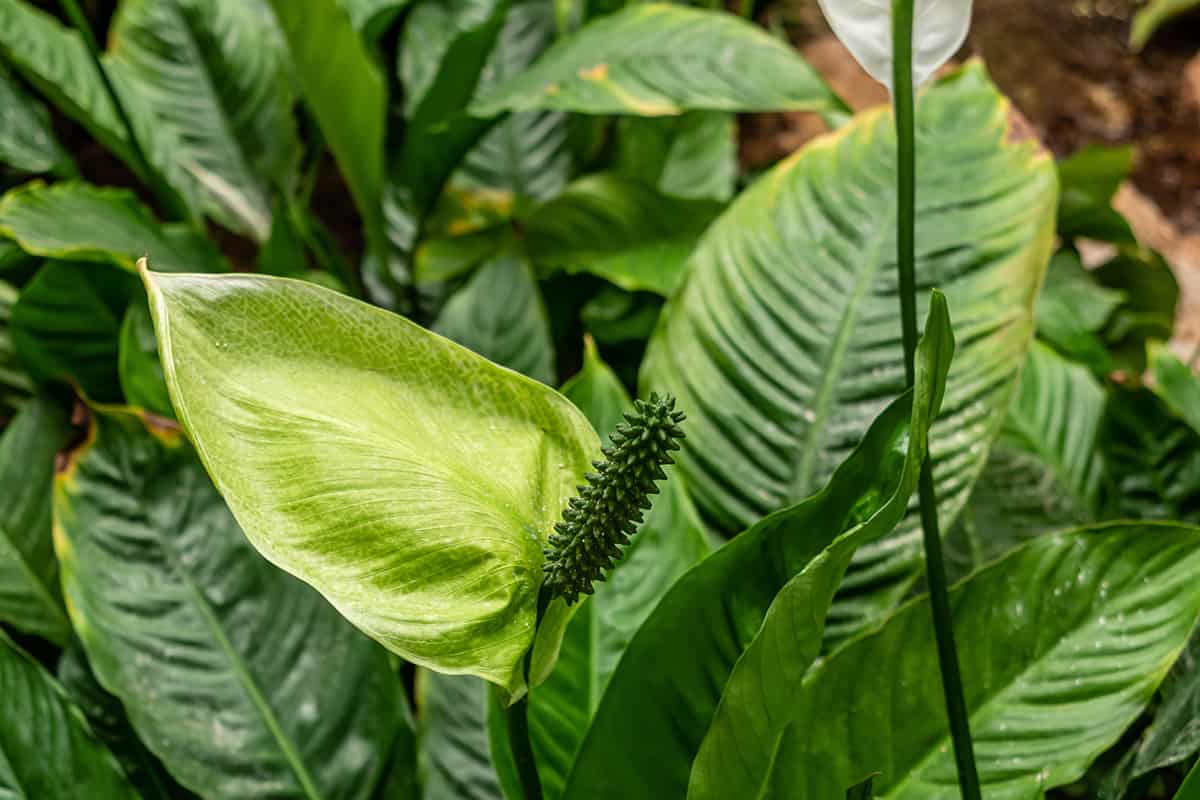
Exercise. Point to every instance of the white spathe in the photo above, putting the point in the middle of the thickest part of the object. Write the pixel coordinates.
(865, 27)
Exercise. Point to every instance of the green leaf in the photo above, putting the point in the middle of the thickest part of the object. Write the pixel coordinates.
(1154, 459)
(410, 481)
(446, 257)
(66, 325)
(347, 93)
(615, 316)
(764, 592)
(1173, 735)
(862, 791)
(28, 143)
(525, 154)
(692, 156)
(1090, 622)
(15, 385)
(216, 75)
(1177, 385)
(620, 230)
(1089, 180)
(30, 599)
(501, 316)
(657, 59)
(371, 17)
(1148, 313)
(1045, 470)
(142, 381)
(243, 680)
(1072, 309)
(46, 747)
(1190, 790)
(784, 341)
(74, 220)
(108, 721)
(455, 756)
(668, 543)
(1156, 14)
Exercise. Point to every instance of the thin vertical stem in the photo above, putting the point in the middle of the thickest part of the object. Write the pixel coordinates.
(517, 717)
(902, 93)
(172, 205)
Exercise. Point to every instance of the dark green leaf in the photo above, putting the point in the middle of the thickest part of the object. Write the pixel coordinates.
(15, 384)
(863, 790)
(455, 756)
(1062, 644)
(784, 340)
(692, 156)
(1149, 19)
(27, 141)
(712, 629)
(1089, 180)
(46, 748)
(1149, 311)
(66, 325)
(30, 598)
(141, 374)
(243, 680)
(1177, 385)
(657, 59)
(500, 315)
(1072, 309)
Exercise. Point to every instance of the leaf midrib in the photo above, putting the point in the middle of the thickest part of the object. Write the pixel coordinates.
(240, 670)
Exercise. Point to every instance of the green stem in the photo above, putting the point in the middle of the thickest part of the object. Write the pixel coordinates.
(172, 205)
(902, 93)
(517, 717)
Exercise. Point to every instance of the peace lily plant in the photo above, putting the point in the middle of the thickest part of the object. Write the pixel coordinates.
(326, 529)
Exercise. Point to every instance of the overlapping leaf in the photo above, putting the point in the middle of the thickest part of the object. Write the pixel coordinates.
(784, 341)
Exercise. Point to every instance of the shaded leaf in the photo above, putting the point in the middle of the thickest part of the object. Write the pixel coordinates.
(1090, 621)
(1174, 733)
(243, 680)
(455, 756)
(693, 155)
(1148, 313)
(620, 230)
(501, 316)
(653, 59)
(30, 599)
(409, 480)
(784, 341)
(216, 75)
(47, 749)
(1072, 309)
(66, 325)
(1089, 179)
(28, 143)
(15, 385)
(1177, 385)
(1156, 14)
(141, 374)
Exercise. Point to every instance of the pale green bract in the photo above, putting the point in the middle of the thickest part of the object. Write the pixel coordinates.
(865, 27)
(412, 482)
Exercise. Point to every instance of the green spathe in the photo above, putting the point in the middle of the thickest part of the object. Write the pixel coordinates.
(412, 482)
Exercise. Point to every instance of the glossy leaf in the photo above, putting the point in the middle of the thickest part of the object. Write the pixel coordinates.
(410, 481)
(719, 621)
(28, 143)
(1177, 385)
(620, 230)
(784, 341)
(30, 599)
(668, 543)
(66, 325)
(455, 756)
(1089, 180)
(657, 59)
(1156, 14)
(865, 27)
(1090, 622)
(525, 154)
(342, 84)
(501, 316)
(46, 747)
(74, 220)
(216, 74)
(243, 680)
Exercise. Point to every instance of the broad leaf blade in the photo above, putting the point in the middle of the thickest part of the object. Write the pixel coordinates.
(28, 143)
(654, 59)
(455, 756)
(215, 74)
(1089, 622)
(666, 689)
(410, 481)
(46, 748)
(783, 343)
(501, 316)
(74, 220)
(30, 598)
(240, 678)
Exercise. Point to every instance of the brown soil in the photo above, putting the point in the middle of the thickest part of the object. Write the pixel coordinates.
(1067, 67)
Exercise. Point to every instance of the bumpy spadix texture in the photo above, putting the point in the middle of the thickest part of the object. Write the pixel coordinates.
(598, 522)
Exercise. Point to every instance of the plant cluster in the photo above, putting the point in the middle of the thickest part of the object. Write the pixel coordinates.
(296, 502)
